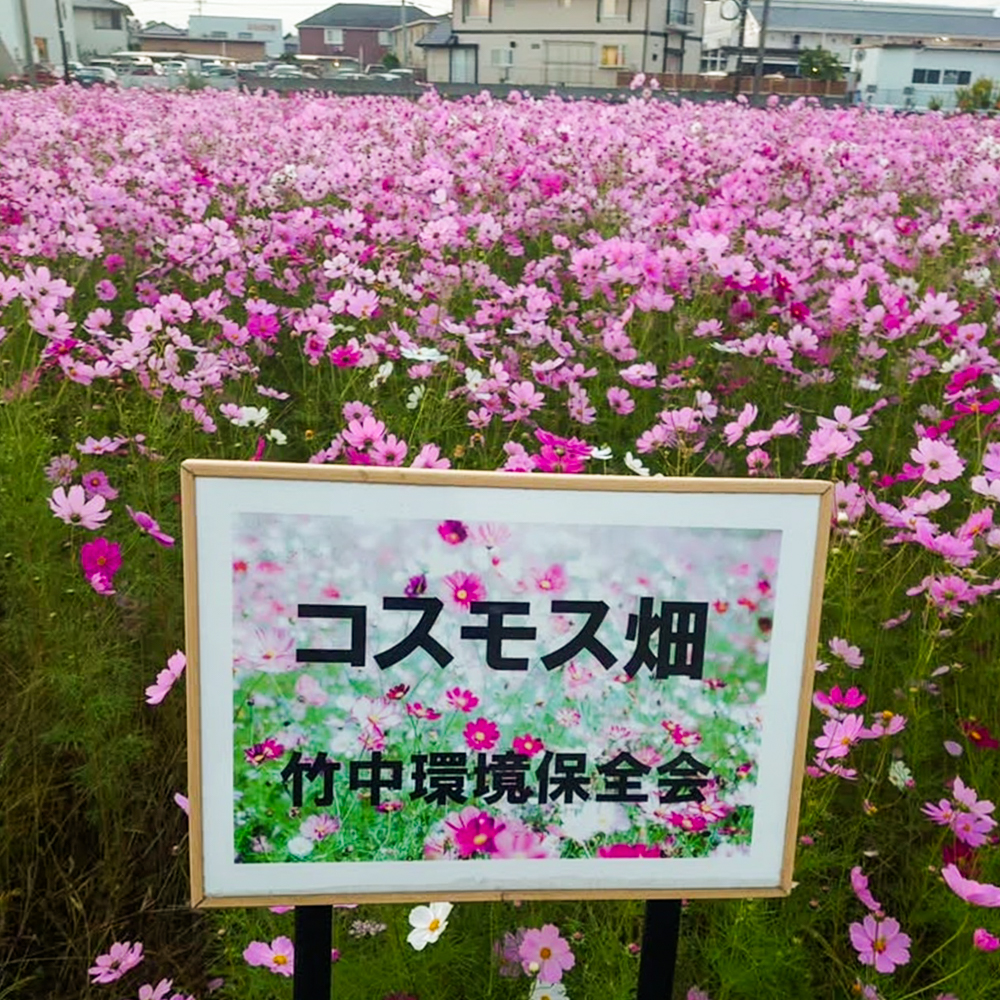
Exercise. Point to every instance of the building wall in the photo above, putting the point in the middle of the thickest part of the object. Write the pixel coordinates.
(576, 42)
(92, 40)
(241, 51)
(415, 55)
(44, 31)
(257, 29)
(891, 73)
(361, 43)
(437, 65)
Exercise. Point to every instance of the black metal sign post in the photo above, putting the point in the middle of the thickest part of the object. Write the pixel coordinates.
(658, 955)
(312, 977)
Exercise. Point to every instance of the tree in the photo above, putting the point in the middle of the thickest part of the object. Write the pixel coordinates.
(390, 60)
(820, 64)
(981, 96)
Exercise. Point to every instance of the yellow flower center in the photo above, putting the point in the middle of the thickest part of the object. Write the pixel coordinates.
(434, 924)
(281, 960)
(879, 945)
(545, 584)
(545, 953)
(480, 838)
(462, 594)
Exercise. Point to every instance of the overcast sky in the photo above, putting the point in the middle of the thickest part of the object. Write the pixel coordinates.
(290, 11)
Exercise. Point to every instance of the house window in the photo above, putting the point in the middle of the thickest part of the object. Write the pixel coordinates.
(218, 34)
(385, 38)
(475, 8)
(502, 57)
(858, 39)
(613, 8)
(612, 55)
(111, 19)
(796, 41)
(964, 77)
(926, 76)
(333, 36)
(245, 35)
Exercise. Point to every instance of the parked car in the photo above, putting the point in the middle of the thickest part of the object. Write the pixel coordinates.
(349, 74)
(174, 67)
(90, 76)
(285, 71)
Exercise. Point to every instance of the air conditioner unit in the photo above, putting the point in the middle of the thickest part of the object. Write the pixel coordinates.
(908, 91)
(872, 88)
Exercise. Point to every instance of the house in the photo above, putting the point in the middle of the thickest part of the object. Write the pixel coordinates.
(241, 50)
(240, 29)
(406, 38)
(583, 43)
(920, 76)
(359, 30)
(101, 27)
(160, 29)
(41, 33)
(839, 26)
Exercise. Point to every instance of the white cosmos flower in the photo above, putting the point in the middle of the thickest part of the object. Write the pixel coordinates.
(300, 846)
(428, 923)
(278, 437)
(601, 453)
(416, 394)
(384, 371)
(251, 416)
(548, 991)
(635, 465)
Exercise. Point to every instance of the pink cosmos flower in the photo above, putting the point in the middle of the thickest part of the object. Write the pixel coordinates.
(319, 827)
(481, 735)
(270, 749)
(465, 588)
(429, 457)
(859, 883)
(149, 526)
(938, 462)
(462, 700)
(827, 443)
(278, 956)
(363, 433)
(551, 581)
(73, 507)
(880, 943)
(60, 470)
(419, 711)
(851, 655)
(528, 745)
(838, 736)
(520, 843)
(629, 851)
(96, 484)
(983, 940)
(166, 678)
(851, 698)
(158, 992)
(546, 953)
(977, 893)
(123, 957)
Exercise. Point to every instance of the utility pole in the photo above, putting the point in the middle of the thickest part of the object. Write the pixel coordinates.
(744, 7)
(62, 41)
(29, 45)
(758, 70)
(402, 33)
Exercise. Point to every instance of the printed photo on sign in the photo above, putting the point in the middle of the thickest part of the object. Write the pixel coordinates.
(450, 689)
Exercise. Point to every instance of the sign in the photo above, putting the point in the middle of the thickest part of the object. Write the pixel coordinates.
(420, 684)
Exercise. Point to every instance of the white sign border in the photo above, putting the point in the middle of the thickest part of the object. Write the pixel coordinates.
(800, 509)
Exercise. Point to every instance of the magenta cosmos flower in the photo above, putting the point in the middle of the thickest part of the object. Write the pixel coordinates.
(461, 699)
(977, 893)
(481, 734)
(983, 940)
(453, 532)
(278, 956)
(880, 943)
(150, 526)
(546, 953)
(465, 588)
(473, 831)
(122, 957)
(100, 558)
(73, 507)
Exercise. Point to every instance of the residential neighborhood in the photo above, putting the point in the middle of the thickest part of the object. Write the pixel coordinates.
(884, 54)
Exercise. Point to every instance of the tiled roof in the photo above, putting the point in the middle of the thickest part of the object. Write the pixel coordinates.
(362, 15)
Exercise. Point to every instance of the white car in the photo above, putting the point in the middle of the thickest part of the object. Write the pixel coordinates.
(175, 67)
(287, 72)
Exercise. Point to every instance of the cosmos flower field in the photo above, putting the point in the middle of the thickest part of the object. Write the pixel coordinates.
(520, 285)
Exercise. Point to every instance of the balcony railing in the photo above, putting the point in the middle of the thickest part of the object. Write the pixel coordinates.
(680, 18)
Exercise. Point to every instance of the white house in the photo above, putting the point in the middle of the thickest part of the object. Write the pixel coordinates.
(920, 76)
(563, 42)
(101, 27)
(42, 30)
(240, 29)
(839, 26)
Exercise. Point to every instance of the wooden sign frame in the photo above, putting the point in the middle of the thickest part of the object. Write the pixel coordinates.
(816, 499)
